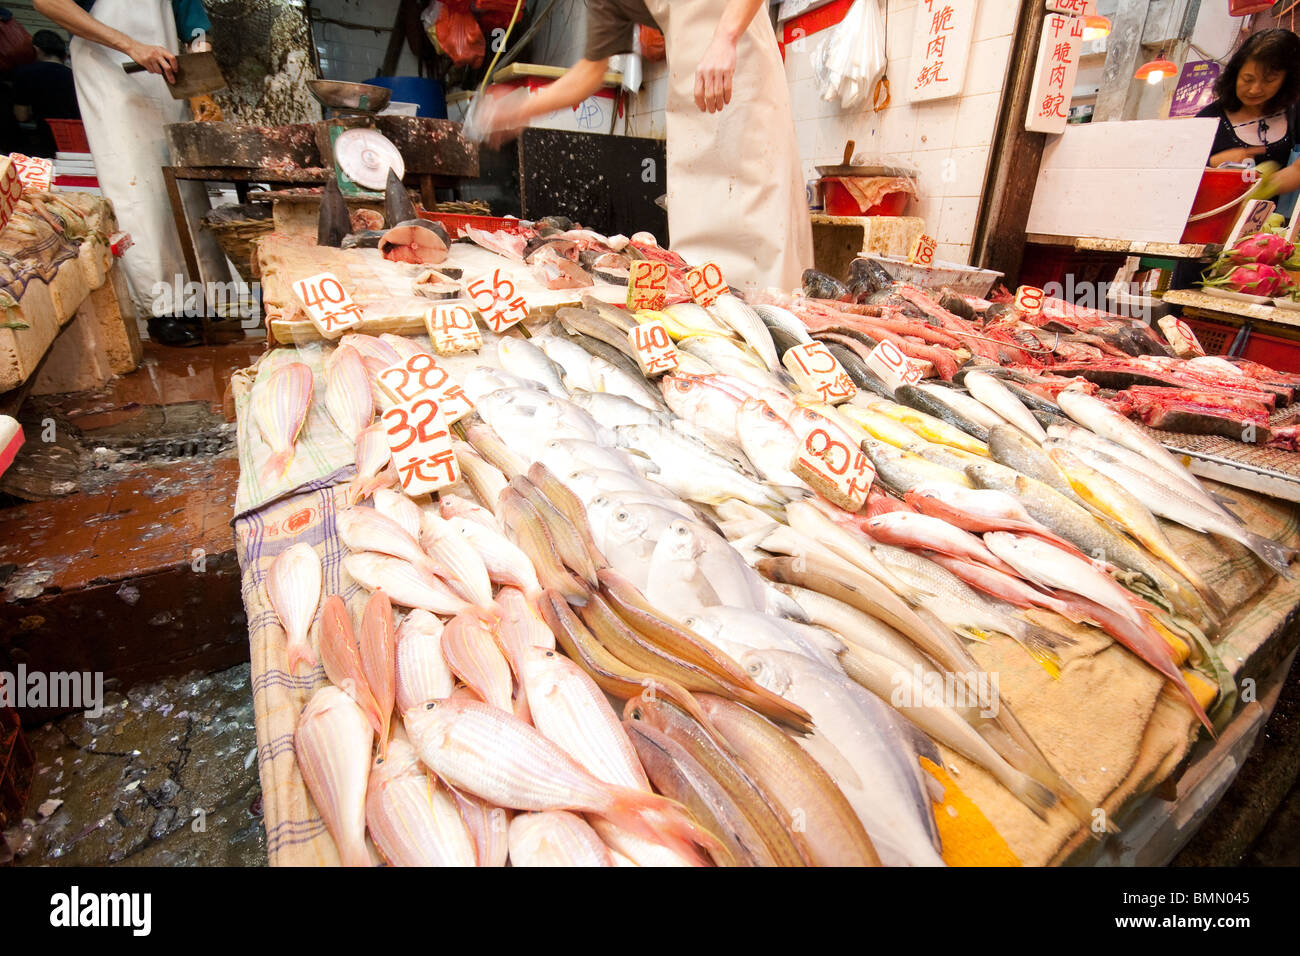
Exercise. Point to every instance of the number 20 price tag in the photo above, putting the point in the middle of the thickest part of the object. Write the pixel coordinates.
(655, 352)
(838, 472)
(420, 444)
(817, 372)
(647, 285)
(706, 284)
(421, 374)
(328, 304)
(888, 361)
(496, 301)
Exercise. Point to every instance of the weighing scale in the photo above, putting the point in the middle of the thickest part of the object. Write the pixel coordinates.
(361, 155)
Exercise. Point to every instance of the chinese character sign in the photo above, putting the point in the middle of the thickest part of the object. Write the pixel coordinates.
(1058, 65)
(1195, 89)
(655, 352)
(1074, 8)
(818, 372)
(940, 48)
(420, 446)
(923, 250)
(328, 304)
(11, 189)
(37, 174)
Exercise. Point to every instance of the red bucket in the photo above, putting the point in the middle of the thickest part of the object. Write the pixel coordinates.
(1219, 187)
(840, 202)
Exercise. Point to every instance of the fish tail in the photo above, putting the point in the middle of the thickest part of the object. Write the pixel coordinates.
(1180, 682)
(1042, 645)
(654, 817)
(301, 653)
(1270, 552)
(362, 488)
(1036, 796)
(277, 465)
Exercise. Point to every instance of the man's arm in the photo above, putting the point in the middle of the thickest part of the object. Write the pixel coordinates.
(78, 22)
(579, 82)
(1239, 155)
(714, 75)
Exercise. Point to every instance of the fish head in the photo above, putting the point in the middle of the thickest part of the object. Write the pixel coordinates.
(681, 542)
(767, 670)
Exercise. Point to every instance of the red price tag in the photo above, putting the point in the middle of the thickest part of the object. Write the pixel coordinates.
(328, 304)
(496, 301)
(1181, 337)
(36, 174)
(655, 352)
(11, 188)
(452, 329)
(706, 284)
(888, 361)
(817, 372)
(923, 250)
(421, 374)
(837, 471)
(420, 444)
(1029, 300)
(647, 285)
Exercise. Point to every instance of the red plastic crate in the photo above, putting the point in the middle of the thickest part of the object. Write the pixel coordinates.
(1215, 337)
(455, 223)
(69, 135)
(1277, 353)
(17, 764)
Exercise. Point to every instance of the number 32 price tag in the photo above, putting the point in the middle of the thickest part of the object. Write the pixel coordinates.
(496, 301)
(655, 352)
(420, 375)
(420, 444)
(328, 304)
(817, 372)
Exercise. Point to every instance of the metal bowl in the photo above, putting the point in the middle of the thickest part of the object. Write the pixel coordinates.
(350, 96)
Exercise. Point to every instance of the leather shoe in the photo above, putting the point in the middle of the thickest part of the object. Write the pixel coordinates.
(171, 331)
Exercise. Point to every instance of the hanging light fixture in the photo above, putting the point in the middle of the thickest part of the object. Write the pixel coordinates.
(1095, 27)
(1156, 70)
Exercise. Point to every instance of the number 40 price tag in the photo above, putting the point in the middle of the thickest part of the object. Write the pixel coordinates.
(655, 352)
(452, 329)
(328, 304)
(420, 444)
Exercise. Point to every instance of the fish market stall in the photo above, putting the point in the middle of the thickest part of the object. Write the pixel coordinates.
(858, 575)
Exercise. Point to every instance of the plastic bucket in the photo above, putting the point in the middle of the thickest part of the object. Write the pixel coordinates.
(840, 202)
(1219, 187)
(422, 90)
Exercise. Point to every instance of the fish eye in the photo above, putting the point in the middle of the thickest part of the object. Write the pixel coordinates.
(550, 653)
(431, 705)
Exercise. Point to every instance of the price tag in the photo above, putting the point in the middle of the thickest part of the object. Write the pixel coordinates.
(328, 304)
(452, 329)
(837, 471)
(420, 444)
(888, 361)
(36, 174)
(1253, 219)
(655, 352)
(419, 375)
(11, 189)
(923, 250)
(647, 285)
(1029, 300)
(817, 372)
(496, 301)
(119, 242)
(706, 284)
(1181, 337)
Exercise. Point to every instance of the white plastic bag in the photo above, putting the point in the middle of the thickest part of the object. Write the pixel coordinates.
(851, 59)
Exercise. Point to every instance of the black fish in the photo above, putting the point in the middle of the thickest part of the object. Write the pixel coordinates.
(334, 222)
(818, 285)
(397, 202)
(957, 306)
(913, 397)
(998, 310)
(782, 339)
(867, 277)
(857, 370)
(369, 239)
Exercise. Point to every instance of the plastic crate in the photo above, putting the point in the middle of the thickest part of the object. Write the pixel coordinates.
(69, 135)
(1044, 264)
(1282, 355)
(455, 223)
(1215, 337)
(17, 764)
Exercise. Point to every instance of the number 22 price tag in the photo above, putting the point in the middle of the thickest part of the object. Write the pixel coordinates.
(655, 352)
(888, 361)
(818, 372)
(421, 374)
(647, 285)
(420, 445)
(328, 304)
(496, 301)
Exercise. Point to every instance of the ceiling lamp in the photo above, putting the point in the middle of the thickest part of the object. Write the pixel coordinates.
(1157, 69)
(1095, 27)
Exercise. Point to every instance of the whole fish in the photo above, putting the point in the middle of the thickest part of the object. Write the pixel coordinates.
(525, 527)
(990, 392)
(525, 418)
(487, 444)
(768, 442)
(525, 359)
(372, 348)
(804, 795)
(452, 505)
(279, 407)
(573, 547)
(373, 459)
(730, 358)
(590, 323)
(965, 405)
(578, 364)
(403, 582)
(591, 483)
(332, 745)
(737, 631)
(521, 627)
(901, 471)
(413, 819)
(749, 325)
(456, 559)
(703, 403)
(489, 828)
(293, 584)
(856, 627)
(784, 321)
(422, 671)
(692, 471)
(937, 431)
(1011, 447)
(979, 510)
(377, 646)
(505, 563)
(470, 648)
(365, 529)
(627, 529)
(692, 568)
(570, 509)
(485, 379)
(493, 754)
(922, 532)
(641, 851)
(686, 319)
(613, 410)
(347, 392)
(555, 838)
(342, 659)
(398, 508)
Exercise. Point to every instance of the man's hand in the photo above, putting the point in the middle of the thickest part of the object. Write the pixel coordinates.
(714, 75)
(155, 59)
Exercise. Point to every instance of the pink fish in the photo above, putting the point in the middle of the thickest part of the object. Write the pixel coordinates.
(279, 407)
(342, 660)
(373, 460)
(413, 819)
(422, 671)
(293, 584)
(378, 652)
(347, 397)
(470, 647)
(332, 746)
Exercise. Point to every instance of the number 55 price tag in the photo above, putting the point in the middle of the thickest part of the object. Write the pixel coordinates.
(420, 445)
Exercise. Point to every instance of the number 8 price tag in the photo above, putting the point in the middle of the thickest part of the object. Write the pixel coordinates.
(888, 361)
(647, 285)
(496, 301)
(1029, 300)
(817, 372)
(1181, 337)
(419, 375)
(328, 304)
(420, 445)
(655, 352)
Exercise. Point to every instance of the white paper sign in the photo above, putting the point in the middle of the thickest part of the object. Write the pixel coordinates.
(494, 297)
(421, 374)
(328, 304)
(940, 48)
(11, 188)
(818, 372)
(1181, 337)
(655, 352)
(452, 329)
(1058, 65)
(888, 361)
(420, 444)
(837, 471)
(1076, 8)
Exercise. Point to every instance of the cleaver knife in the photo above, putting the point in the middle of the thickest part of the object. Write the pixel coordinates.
(196, 73)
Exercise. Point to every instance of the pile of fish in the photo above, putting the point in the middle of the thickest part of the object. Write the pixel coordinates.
(633, 635)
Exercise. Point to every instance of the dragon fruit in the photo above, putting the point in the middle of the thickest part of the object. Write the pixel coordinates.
(1253, 279)
(1264, 248)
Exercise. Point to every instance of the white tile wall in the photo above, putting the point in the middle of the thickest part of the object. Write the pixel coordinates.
(356, 54)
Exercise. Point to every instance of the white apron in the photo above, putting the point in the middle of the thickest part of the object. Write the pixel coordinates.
(124, 116)
(735, 184)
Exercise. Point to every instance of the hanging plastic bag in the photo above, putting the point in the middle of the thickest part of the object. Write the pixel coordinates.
(453, 31)
(849, 61)
(628, 65)
(652, 44)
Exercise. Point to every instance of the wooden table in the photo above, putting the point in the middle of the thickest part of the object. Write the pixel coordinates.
(1128, 247)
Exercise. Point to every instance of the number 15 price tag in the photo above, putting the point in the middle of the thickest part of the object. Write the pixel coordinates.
(818, 372)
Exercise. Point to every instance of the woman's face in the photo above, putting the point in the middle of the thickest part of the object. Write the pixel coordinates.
(1257, 84)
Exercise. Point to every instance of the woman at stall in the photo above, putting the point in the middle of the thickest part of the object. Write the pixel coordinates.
(124, 116)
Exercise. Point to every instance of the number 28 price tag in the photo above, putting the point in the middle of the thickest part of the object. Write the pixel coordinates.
(420, 375)
(1181, 337)
(328, 304)
(888, 361)
(452, 329)
(838, 472)
(923, 250)
(817, 372)
(655, 352)
(647, 285)
(496, 301)
(706, 284)
(420, 444)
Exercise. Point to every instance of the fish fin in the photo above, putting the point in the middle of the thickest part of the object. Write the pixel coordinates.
(787, 493)
(1276, 556)
(301, 653)
(1034, 795)
(277, 466)
(654, 817)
